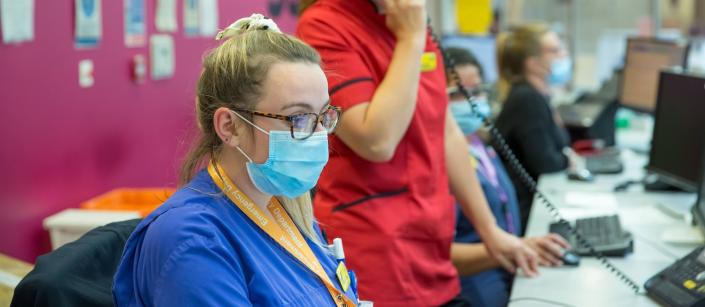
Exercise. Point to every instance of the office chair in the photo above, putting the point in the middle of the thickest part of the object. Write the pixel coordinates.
(79, 273)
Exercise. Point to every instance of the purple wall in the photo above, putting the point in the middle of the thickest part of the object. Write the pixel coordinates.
(62, 144)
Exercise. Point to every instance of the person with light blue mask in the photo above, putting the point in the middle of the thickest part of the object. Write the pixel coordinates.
(483, 281)
(240, 231)
(532, 61)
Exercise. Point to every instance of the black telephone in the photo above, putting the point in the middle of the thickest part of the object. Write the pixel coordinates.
(501, 146)
(682, 284)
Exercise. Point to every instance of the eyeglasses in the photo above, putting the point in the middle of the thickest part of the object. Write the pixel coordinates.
(303, 125)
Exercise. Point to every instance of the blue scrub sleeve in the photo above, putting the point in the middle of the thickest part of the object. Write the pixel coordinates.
(200, 272)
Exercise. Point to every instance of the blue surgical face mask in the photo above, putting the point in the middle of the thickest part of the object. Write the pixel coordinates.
(293, 166)
(464, 116)
(561, 71)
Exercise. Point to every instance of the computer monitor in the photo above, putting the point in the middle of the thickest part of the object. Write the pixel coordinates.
(678, 140)
(699, 207)
(484, 48)
(645, 57)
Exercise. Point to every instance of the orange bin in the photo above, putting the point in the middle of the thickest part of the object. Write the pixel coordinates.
(143, 200)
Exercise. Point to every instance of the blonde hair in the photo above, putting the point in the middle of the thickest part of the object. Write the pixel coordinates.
(232, 77)
(513, 49)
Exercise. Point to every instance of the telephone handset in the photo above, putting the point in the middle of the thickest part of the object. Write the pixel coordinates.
(501, 146)
(682, 284)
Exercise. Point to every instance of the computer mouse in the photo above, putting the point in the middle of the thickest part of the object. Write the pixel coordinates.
(570, 258)
(622, 186)
(580, 175)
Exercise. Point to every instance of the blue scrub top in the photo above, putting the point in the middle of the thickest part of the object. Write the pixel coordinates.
(199, 249)
(489, 288)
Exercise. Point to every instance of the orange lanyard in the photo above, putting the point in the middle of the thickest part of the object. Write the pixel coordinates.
(282, 230)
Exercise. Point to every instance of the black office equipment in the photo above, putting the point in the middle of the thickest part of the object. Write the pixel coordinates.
(592, 116)
(645, 57)
(607, 161)
(678, 139)
(682, 284)
(605, 233)
(501, 146)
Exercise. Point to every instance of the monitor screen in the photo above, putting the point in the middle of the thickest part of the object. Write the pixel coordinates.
(678, 139)
(644, 59)
(482, 47)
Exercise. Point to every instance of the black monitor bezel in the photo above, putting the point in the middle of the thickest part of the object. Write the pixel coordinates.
(665, 175)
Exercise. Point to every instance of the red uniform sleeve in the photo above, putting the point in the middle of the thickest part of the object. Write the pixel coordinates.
(350, 80)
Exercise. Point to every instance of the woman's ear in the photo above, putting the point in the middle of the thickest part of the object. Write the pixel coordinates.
(530, 64)
(226, 124)
(534, 65)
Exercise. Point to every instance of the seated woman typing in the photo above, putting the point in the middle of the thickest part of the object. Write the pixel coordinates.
(241, 231)
(483, 281)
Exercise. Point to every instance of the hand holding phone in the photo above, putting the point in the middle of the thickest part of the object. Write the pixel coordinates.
(406, 18)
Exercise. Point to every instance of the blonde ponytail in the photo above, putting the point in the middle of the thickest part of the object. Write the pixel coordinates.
(300, 209)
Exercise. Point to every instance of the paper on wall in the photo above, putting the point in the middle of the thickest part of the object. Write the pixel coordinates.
(162, 56)
(17, 20)
(88, 27)
(135, 27)
(165, 19)
(191, 17)
(208, 17)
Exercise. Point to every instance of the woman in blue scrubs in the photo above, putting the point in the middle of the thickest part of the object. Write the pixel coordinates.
(240, 232)
(483, 281)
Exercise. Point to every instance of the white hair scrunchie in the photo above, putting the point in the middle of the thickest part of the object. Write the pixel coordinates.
(254, 22)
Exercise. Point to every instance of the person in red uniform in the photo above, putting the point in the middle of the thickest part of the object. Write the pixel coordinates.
(396, 155)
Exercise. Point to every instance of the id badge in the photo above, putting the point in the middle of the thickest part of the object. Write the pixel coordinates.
(429, 61)
(343, 277)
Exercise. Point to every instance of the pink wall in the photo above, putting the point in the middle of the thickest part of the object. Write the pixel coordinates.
(62, 144)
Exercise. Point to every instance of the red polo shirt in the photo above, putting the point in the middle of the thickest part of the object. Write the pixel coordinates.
(396, 218)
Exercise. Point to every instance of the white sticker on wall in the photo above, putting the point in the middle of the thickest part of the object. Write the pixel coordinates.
(162, 56)
(85, 73)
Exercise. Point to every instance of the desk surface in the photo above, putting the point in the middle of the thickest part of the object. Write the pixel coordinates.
(11, 271)
(590, 284)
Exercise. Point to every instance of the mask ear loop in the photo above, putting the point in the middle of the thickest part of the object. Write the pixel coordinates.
(249, 122)
(243, 153)
(253, 125)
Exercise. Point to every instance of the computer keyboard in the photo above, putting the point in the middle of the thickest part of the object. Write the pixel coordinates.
(604, 164)
(604, 233)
